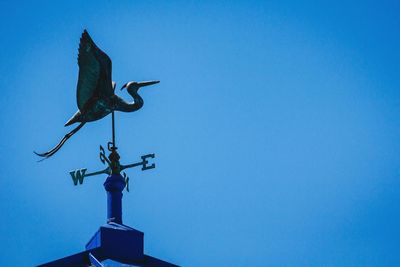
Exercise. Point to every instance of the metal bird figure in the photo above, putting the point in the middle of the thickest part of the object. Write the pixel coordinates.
(95, 91)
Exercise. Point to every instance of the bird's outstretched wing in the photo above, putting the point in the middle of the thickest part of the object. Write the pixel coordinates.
(94, 71)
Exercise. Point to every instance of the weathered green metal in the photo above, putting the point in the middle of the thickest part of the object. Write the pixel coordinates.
(114, 166)
(95, 94)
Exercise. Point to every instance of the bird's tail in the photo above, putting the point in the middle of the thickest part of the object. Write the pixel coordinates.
(51, 152)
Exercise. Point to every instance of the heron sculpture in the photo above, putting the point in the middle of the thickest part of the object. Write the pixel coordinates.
(95, 91)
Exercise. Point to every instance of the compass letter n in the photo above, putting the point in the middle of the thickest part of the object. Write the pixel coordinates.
(78, 175)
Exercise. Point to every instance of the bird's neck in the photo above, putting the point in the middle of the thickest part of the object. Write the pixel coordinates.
(132, 106)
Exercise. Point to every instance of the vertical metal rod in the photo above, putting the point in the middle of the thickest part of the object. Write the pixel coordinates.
(113, 130)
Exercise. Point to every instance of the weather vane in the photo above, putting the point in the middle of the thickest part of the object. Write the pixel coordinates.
(96, 99)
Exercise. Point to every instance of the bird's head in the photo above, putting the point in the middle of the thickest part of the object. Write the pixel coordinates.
(133, 87)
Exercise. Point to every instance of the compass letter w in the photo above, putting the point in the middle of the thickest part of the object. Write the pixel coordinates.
(78, 175)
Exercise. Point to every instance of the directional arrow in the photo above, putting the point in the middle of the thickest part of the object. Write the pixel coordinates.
(79, 174)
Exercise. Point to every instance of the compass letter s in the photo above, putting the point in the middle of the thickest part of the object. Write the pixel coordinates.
(78, 175)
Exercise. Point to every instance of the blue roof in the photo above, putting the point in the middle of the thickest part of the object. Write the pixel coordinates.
(112, 241)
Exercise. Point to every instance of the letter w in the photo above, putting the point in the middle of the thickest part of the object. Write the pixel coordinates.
(78, 175)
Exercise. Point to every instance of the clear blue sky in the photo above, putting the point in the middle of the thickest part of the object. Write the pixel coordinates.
(276, 128)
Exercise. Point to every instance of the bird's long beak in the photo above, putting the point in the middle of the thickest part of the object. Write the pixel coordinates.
(123, 86)
(141, 84)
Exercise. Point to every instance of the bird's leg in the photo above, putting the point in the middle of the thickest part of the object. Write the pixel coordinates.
(51, 152)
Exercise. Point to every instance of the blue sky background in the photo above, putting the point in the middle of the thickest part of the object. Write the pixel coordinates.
(275, 126)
